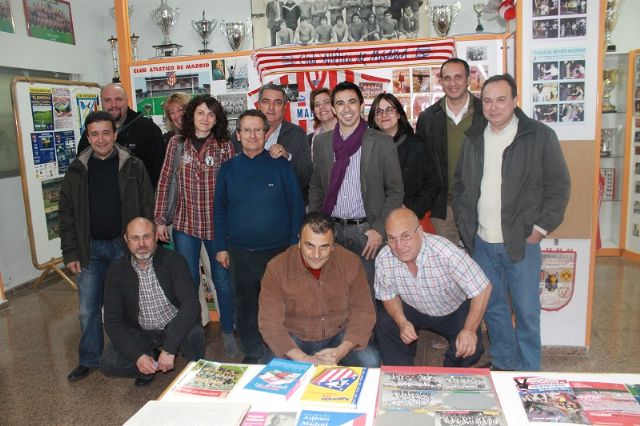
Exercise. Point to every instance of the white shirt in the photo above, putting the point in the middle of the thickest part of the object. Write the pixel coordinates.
(457, 118)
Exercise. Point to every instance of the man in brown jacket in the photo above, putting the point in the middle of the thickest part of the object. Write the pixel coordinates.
(315, 304)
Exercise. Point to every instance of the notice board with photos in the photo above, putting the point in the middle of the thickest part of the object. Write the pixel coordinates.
(49, 117)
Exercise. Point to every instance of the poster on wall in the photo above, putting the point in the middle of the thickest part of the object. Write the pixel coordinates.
(49, 20)
(86, 103)
(41, 108)
(557, 278)
(6, 18)
(50, 198)
(62, 118)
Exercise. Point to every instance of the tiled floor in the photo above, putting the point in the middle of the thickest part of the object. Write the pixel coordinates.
(39, 336)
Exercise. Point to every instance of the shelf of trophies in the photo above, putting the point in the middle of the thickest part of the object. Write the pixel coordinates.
(612, 152)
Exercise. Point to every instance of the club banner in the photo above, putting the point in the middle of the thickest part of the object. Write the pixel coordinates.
(398, 53)
(557, 278)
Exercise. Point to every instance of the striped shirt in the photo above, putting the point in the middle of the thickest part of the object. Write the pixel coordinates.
(197, 175)
(350, 204)
(446, 277)
(155, 309)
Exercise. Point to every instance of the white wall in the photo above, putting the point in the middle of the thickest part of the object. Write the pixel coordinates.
(624, 35)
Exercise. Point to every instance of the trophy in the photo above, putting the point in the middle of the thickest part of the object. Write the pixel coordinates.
(165, 18)
(610, 79)
(606, 140)
(204, 28)
(479, 8)
(236, 32)
(442, 16)
(114, 57)
(610, 19)
(134, 46)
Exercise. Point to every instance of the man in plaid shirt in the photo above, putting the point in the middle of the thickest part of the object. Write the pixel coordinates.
(427, 283)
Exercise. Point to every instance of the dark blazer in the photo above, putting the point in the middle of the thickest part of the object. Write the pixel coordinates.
(380, 176)
(432, 128)
(419, 174)
(122, 306)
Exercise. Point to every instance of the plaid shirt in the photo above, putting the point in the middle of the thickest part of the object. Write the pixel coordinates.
(155, 309)
(196, 186)
(447, 276)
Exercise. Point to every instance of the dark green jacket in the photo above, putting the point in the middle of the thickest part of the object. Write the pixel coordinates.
(535, 184)
(136, 197)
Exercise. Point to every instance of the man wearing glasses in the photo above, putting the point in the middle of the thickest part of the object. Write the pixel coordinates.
(427, 283)
(258, 214)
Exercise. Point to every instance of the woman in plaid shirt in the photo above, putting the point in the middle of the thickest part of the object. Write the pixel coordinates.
(205, 139)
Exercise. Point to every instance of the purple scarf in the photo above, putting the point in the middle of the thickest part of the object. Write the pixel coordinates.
(343, 150)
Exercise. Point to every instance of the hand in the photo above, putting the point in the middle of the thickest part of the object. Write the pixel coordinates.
(223, 259)
(165, 361)
(146, 364)
(277, 151)
(466, 343)
(535, 237)
(330, 356)
(74, 267)
(408, 333)
(163, 233)
(374, 241)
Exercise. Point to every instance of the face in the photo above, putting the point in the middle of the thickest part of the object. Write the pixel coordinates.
(404, 238)
(175, 111)
(498, 104)
(322, 107)
(315, 248)
(272, 105)
(387, 117)
(101, 137)
(347, 108)
(114, 101)
(454, 81)
(251, 135)
(141, 240)
(203, 120)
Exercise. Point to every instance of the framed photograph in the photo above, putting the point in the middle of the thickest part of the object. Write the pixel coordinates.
(545, 71)
(573, 27)
(545, 92)
(546, 113)
(544, 7)
(545, 28)
(573, 7)
(572, 91)
(572, 112)
(476, 53)
(572, 70)
(49, 20)
(6, 18)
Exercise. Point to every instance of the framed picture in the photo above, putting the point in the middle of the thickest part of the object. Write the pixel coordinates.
(6, 18)
(49, 20)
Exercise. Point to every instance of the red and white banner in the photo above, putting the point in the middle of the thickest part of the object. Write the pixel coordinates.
(398, 53)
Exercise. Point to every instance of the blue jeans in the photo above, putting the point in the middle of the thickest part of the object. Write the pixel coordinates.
(367, 357)
(189, 247)
(247, 269)
(396, 352)
(516, 287)
(352, 238)
(90, 296)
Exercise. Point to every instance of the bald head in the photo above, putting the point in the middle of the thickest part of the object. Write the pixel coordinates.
(140, 222)
(114, 101)
(141, 239)
(403, 234)
(402, 215)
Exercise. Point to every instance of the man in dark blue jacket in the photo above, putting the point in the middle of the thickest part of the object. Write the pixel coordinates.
(258, 213)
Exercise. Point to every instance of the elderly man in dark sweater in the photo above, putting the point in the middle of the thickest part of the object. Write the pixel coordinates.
(149, 303)
(258, 213)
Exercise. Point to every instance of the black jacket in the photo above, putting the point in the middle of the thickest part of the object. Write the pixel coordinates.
(142, 138)
(122, 304)
(419, 174)
(136, 199)
(432, 128)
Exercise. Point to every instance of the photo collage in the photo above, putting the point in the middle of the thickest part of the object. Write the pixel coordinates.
(560, 18)
(635, 197)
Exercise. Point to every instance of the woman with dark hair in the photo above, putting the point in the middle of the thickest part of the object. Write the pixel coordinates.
(205, 146)
(323, 118)
(418, 164)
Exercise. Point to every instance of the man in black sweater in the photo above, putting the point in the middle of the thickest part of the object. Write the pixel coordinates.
(149, 303)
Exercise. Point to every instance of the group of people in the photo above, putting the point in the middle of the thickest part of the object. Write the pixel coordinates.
(295, 228)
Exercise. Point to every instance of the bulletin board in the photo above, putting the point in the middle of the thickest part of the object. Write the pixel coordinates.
(49, 117)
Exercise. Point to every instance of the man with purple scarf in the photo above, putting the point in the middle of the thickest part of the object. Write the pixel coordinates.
(356, 177)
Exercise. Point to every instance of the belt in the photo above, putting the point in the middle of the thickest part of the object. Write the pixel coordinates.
(349, 221)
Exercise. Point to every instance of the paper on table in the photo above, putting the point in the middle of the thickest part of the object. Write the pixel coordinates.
(187, 413)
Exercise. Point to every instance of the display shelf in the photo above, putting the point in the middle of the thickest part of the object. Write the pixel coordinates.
(631, 190)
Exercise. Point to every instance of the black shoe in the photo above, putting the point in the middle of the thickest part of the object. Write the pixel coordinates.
(79, 373)
(249, 360)
(143, 381)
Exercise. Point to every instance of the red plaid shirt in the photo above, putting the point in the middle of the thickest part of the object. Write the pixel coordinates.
(197, 174)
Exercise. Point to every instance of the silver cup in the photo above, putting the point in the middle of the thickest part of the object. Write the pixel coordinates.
(606, 140)
(204, 28)
(114, 57)
(611, 13)
(442, 16)
(479, 8)
(236, 32)
(165, 18)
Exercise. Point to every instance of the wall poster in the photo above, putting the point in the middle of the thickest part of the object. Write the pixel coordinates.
(557, 278)
(49, 20)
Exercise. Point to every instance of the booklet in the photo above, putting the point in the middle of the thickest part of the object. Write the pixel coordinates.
(209, 378)
(331, 418)
(279, 377)
(335, 386)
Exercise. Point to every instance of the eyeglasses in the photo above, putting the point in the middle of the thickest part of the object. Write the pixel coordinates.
(387, 110)
(249, 132)
(402, 238)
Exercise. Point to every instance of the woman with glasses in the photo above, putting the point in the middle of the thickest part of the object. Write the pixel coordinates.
(418, 164)
(205, 146)
(323, 118)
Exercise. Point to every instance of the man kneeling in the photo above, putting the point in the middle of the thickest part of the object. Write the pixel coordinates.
(149, 303)
(315, 302)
